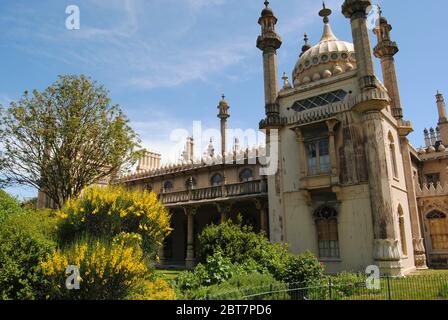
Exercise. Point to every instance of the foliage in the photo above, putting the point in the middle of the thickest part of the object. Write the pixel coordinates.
(243, 246)
(216, 270)
(304, 269)
(106, 212)
(158, 289)
(344, 283)
(244, 285)
(30, 204)
(65, 138)
(25, 240)
(107, 270)
(8, 205)
(443, 292)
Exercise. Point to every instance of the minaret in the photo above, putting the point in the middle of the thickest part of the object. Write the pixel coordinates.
(356, 10)
(306, 46)
(268, 42)
(223, 114)
(443, 121)
(385, 50)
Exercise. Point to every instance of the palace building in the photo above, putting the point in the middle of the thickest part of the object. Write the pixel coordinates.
(349, 186)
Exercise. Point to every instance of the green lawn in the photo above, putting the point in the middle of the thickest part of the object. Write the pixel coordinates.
(422, 285)
(168, 274)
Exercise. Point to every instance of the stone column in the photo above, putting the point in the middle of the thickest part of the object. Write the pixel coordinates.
(386, 246)
(417, 239)
(190, 256)
(356, 10)
(261, 206)
(223, 210)
(269, 42)
(332, 147)
(302, 153)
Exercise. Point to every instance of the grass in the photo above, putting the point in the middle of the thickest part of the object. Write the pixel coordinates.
(429, 285)
(168, 274)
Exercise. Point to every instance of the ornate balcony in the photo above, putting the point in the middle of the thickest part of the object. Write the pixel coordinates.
(229, 191)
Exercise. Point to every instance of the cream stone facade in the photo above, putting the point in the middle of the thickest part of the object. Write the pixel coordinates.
(349, 185)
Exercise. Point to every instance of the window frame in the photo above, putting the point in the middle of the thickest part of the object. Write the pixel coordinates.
(316, 142)
(329, 222)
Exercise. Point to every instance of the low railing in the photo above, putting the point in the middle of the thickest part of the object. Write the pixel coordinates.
(216, 192)
(418, 287)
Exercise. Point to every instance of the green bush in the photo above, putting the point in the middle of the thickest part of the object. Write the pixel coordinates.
(25, 240)
(443, 292)
(247, 286)
(106, 212)
(243, 247)
(216, 270)
(8, 206)
(344, 284)
(304, 269)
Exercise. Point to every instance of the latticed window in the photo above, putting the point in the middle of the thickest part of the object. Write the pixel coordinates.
(320, 100)
(246, 175)
(190, 183)
(318, 157)
(168, 186)
(217, 180)
(327, 232)
(438, 229)
(433, 178)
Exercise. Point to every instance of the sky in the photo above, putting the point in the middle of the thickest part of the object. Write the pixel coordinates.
(167, 62)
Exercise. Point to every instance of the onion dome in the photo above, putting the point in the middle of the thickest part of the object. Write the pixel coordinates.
(330, 54)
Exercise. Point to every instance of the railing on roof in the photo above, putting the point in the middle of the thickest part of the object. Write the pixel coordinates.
(225, 191)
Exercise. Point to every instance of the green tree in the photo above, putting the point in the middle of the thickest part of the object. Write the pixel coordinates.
(65, 138)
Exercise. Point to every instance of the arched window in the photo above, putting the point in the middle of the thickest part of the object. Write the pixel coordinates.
(404, 247)
(438, 229)
(327, 232)
(246, 175)
(168, 186)
(393, 155)
(216, 180)
(149, 187)
(190, 183)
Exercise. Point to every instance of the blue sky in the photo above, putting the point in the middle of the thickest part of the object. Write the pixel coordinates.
(167, 62)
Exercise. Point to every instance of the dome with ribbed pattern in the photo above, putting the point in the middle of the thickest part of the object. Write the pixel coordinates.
(328, 58)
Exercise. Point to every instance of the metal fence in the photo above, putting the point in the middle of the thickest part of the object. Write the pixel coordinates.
(427, 287)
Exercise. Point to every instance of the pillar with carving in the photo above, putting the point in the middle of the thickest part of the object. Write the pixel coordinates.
(190, 254)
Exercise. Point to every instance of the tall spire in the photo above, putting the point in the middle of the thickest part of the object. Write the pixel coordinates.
(441, 107)
(223, 114)
(385, 50)
(356, 11)
(268, 42)
(328, 32)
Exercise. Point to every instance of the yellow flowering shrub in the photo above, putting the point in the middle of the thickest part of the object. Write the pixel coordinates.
(106, 212)
(106, 271)
(152, 290)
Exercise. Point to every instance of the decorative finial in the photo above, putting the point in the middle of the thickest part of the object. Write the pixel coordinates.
(266, 3)
(305, 38)
(325, 13)
(286, 84)
(223, 96)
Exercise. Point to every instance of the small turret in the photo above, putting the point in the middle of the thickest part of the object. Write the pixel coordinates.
(385, 50)
(268, 42)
